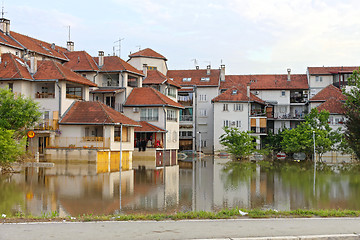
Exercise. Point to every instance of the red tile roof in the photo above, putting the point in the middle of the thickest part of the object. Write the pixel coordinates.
(80, 61)
(9, 41)
(240, 96)
(49, 69)
(332, 105)
(330, 70)
(147, 96)
(156, 77)
(40, 47)
(267, 82)
(195, 75)
(147, 127)
(147, 52)
(327, 93)
(12, 67)
(114, 63)
(94, 113)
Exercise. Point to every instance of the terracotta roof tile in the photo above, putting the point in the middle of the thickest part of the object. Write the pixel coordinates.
(195, 76)
(12, 67)
(147, 127)
(327, 93)
(114, 63)
(147, 96)
(332, 105)
(267, 82)
(95, 113)
(80, 61)
(156, 77)
(49, 69)
(8, 40)
(147, 52)
(40, 47)
(330, 70)
(237, 94)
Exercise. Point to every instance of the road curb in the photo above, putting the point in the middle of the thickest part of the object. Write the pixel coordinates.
(310, 237)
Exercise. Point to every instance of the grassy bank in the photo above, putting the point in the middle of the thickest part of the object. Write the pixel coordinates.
(223, 214)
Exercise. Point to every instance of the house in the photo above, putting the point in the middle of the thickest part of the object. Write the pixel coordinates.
(238, 107)
(94, 130)
(148, 104)
(321, 77)
(198, 88)
(49, 83)
(287, 93)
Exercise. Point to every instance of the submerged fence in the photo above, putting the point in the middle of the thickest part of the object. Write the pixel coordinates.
(80, 142)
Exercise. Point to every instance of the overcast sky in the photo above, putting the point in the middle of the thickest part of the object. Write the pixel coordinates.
(249, 37)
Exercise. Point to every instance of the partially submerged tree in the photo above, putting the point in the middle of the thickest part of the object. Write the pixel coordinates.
(352, 113)
(16, 115)
(239, 143)
(300, 139)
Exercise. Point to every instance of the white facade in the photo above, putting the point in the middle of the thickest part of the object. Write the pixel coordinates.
(138, 63)
(318, 82)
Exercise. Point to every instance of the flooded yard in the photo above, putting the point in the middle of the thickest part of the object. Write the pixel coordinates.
(209, 184)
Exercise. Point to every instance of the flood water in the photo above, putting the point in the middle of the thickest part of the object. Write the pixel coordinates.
(209, 184)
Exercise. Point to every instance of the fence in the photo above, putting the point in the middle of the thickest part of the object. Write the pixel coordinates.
(80, 142)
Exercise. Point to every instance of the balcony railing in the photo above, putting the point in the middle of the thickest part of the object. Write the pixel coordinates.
(186, 118)
(72, 96)
(259, 129)
(149, 118)
(257, 113)
(44, 95)
(80, 142)
(47, 124)
(289, 116)
(172, 119)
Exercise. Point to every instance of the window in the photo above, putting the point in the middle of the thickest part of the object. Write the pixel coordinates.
(46, 115)
(283, 93)
(202, 112)
(149, 114)
(205, 79)
(74, 92)
(125, 134)
(203, 143)
(283, 109)
(171, 115)
(226, 107)
(234, 92)
(171, 92)
(84, 75)
(186, 79)
(226, 123)
(238, 107)
(202, 97)
(11, 86)
(238, 124)
(318, 79)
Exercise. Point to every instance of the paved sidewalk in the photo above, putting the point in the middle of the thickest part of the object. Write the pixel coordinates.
(282, 228)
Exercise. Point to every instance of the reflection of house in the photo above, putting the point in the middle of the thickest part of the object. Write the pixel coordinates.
(288, 95)
(148, 104)
(231, 109)
(93, 126)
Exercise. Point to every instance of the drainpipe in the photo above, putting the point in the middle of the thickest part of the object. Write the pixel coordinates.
(165, 139)
(57, 84)
(195, 118)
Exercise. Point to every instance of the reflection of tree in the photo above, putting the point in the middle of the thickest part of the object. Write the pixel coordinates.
(10, 196)
(234, 173)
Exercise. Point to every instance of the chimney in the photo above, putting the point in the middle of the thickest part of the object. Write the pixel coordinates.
(208, 70)
(288, 76)
(248, 90)
(5, 25)
(33, 64)
(145, 69)
(222, 73)
(101, 58)
(70, 46)
(197, 67)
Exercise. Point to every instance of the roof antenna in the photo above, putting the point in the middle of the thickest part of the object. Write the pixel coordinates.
(69, 33)
(2, 10)
(139, 46)
(119, 46)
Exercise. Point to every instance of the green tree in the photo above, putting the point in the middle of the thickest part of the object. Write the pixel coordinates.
(239, 143)
(300, 139)
(272, 142)
(16, 115)
(352, 113)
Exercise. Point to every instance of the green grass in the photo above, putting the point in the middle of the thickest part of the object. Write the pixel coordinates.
(223, 214)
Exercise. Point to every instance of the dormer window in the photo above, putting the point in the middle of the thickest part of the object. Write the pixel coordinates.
(205, 79)
(234, 92)
(186, 79)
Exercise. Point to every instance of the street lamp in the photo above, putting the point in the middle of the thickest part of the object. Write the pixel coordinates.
(314, 160)
(199, 143)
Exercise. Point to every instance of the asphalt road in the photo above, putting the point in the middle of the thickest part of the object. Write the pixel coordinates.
(192, 229)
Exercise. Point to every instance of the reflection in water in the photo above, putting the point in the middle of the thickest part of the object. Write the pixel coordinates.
(210, 184)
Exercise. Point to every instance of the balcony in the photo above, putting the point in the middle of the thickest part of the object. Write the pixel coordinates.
(44, 95)
(80, 142)
(289, 116)
(47, 124)
(154, 119)
(186, 118)
(257, 113)
(259, 130)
